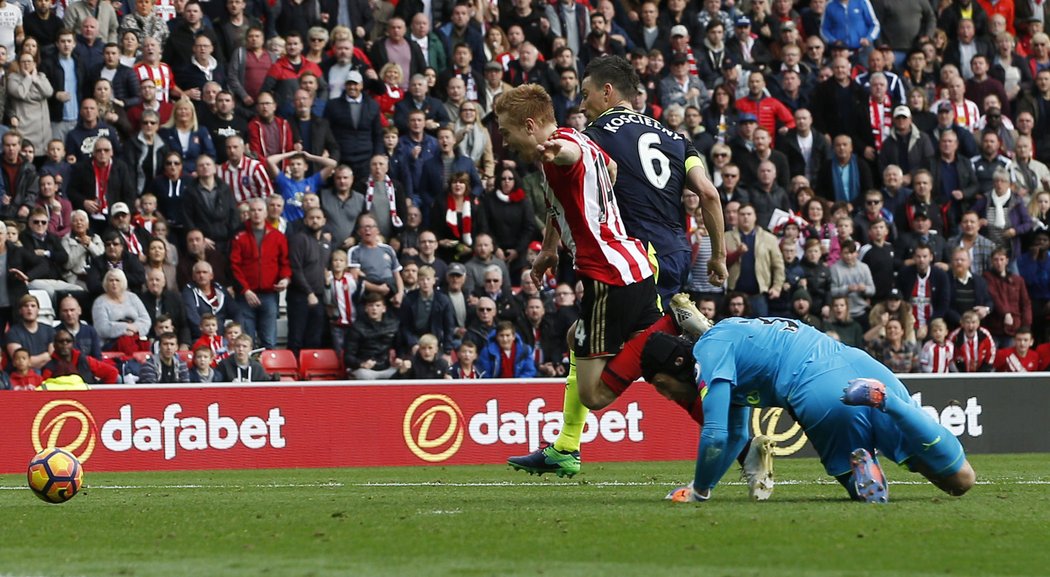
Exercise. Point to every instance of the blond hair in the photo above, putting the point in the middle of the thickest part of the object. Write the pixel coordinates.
(525, 101)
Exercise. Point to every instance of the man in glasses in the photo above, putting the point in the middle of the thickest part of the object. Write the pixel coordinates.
(114, 256)
(68, 360)
(100, 183)
(48, 247)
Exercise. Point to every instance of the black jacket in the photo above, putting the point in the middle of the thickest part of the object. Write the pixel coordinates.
(442, 321)
(357, 142)
(321, 137)
(307, 257)
(121, 186)
(220, 223)
(54, 72)
(130, 264)
(788, 144)
(56, 256)
(369, 339)
(168, 303)
(28, 262)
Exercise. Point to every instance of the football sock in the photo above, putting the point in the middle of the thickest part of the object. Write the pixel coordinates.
(927, 440)
(574, 413)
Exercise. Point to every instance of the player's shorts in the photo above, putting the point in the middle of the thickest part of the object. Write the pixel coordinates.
(672, 272)
(836, 429)
(610, 315)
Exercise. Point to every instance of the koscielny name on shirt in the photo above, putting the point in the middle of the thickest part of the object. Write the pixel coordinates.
(613, 124)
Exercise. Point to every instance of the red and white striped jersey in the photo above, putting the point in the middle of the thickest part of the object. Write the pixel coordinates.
(246, 181)
(161, 77)
(936, 358)
(583, 208)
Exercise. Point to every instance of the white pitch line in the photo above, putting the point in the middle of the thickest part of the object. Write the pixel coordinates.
(511, 484)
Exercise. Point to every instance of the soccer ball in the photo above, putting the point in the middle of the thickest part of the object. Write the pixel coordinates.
(55, 475)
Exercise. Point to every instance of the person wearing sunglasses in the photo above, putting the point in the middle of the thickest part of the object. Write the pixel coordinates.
(66, 360)
(101, 183)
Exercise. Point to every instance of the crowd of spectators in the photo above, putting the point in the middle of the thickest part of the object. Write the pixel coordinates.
(175, 170)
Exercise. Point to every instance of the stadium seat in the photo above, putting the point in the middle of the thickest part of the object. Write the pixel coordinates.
(320, 365)
(186, 356)
(280, 362)
(114, 355)
(47, 308)
(141, 357)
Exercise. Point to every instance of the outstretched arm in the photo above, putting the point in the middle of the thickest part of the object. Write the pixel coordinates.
(560, 151)
(714, 456)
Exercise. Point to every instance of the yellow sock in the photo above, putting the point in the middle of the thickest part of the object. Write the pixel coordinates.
(574, 414)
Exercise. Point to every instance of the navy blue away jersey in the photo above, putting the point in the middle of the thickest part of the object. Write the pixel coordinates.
(650, 176)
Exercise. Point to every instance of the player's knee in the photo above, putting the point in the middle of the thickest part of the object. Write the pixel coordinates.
(962, 481)
(596, 398)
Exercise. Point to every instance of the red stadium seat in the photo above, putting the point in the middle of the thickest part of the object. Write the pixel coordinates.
(186, 356)
(280, 362)
(141, 357)
(320, 365)
(113, 355)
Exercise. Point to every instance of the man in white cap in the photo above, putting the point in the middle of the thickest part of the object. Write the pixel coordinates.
(135, 239)
(906, 147)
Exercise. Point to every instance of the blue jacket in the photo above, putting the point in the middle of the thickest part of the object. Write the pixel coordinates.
(200, 143)
(850, 23)
(489, 359)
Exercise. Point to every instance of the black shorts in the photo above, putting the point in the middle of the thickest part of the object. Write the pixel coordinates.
(610, 315)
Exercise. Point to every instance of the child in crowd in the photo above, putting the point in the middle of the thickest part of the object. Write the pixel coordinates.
(340, 294)
(937, 353)
(241, 367)
(425, 363)
(147, 214)
(506, 356)
(23, 377)
(210, 338)
(203, 360)
(465, 368)
(974, 345)
(57, 164)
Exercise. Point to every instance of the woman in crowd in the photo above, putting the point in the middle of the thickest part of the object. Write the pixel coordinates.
(720, 114)
(316, 42)
(161, 231)
(899, 355)
(112, 113)
(119, 316)
(820, 228)
(81, 246)
(921, 117)
(157, 258)
(512, 220)
(182, 134)
(455, 219)
(387, 91)
(129, 48)
(27, 92)
(473, 139)
(495, 43)
(893, 308)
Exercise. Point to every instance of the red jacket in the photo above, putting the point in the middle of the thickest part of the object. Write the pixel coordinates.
(92, 370)
(1009, 295)
(259, 268)
(768, 110)
(255, 139)
(973, 359)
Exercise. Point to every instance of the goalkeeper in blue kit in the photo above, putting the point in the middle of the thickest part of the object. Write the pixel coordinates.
(848, 404)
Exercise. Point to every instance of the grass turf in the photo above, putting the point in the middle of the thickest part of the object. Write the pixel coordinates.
(472, 521)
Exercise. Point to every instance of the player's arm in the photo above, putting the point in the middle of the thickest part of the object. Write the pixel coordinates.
(711, 464)
(560, 151)
(698, 183)
(548, 256)
(612, 168)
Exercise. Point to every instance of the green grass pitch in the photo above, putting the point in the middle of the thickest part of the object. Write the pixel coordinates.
(488, 520)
